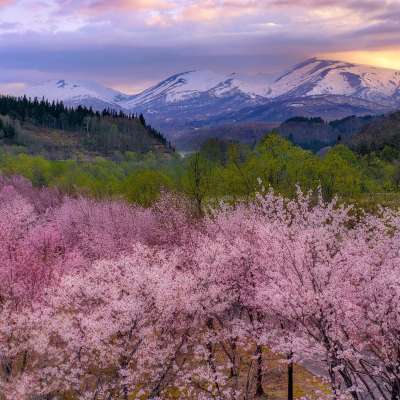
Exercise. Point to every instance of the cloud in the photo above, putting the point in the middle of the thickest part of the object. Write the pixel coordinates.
(355, 5)
(208, 10)
(103, 6)
(215, 9)
(132, 42)
(8, 26)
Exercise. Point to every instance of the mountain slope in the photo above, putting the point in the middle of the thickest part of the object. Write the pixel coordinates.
(192, 84)
(191, 99)
(316, 77)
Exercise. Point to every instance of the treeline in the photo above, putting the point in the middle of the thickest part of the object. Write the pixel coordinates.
(49, 114)
(107, 130)
(221, 170)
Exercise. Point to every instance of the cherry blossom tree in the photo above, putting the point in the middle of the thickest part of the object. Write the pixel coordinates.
(307, 277)
(105, 300)
(372, 325)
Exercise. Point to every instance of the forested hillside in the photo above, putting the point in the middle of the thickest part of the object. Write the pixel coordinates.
(381, 136)
(249, 134)
(309, 133)
(316, 133)
(58, 132)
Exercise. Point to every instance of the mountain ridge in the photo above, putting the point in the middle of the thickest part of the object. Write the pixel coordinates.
(316, 87)
(317, 76)
(74, 93)
(200, 98)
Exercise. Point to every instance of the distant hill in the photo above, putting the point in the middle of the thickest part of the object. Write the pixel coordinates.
(58, 132)
(315, 133)
(381, 132)
(310, 133)
(249, 133)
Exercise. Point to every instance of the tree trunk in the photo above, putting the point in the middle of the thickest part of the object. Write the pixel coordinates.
(260, 394)
(395, 390)
(348, 380)
(210, 360)
(125, 393)
(290, 378)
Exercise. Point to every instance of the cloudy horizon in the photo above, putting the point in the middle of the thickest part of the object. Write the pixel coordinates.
(130, 44)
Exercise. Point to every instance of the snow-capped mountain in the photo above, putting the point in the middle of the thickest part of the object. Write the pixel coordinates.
(317, 77)
(190, 99)
(313, 77)
(74, 93)
(194, 99)
(195, 84)
(316, 87)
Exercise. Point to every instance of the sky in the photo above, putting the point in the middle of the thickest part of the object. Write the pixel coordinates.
(131, 44)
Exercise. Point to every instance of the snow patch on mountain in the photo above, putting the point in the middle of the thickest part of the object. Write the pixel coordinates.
(193, 84)
(317, 77)
(313, 77)
(72, 92)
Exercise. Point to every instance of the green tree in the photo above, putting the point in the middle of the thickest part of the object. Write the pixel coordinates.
(144, 186)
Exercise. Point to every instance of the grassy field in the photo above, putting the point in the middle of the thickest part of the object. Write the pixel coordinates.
(275, 380)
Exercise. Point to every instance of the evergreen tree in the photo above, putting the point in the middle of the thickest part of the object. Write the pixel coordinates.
(142, 120)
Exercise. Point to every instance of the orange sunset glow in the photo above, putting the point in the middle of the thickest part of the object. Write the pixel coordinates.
(378, 58)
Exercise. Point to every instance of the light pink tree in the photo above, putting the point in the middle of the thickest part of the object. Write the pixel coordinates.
(114, 328)
(109, 300)
(372, 325)
(307, 282)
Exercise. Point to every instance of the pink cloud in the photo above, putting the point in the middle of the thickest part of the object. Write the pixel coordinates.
(4, 3)
(101, 6)
(211, 10)
(207, 10)
(170, 12)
